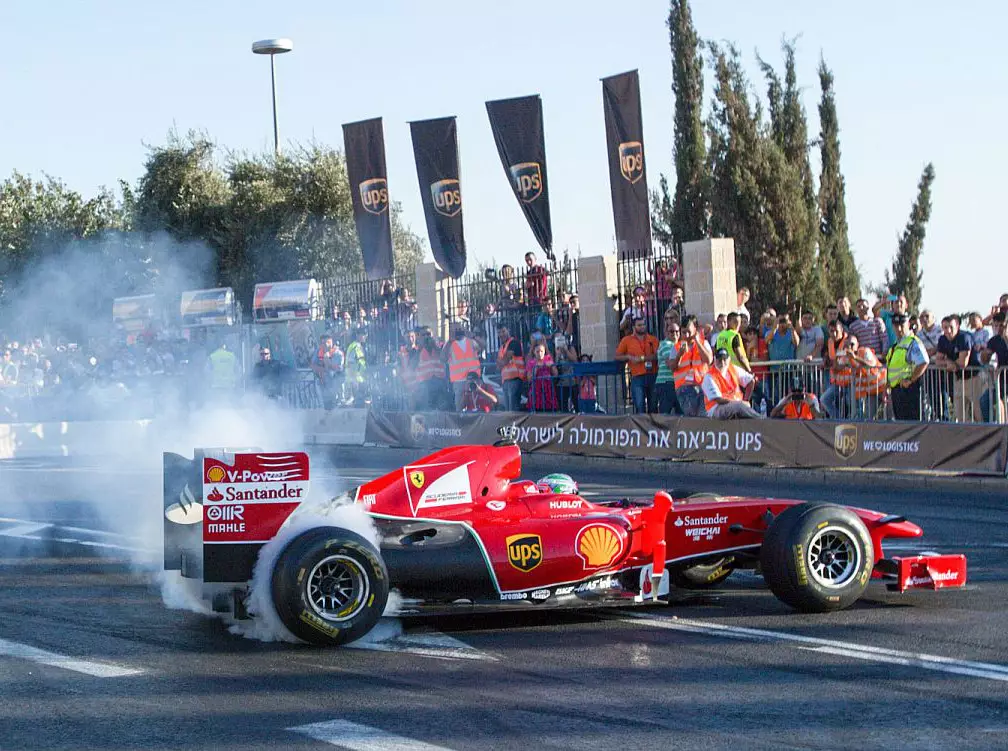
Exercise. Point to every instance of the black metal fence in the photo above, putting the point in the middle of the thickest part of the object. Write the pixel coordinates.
(659, 276)
(525, 299)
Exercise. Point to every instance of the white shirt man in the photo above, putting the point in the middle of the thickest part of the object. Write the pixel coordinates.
(726, 388)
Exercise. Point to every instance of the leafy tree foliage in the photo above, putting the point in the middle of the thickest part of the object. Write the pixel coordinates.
(906, 275)
(836, 259)
(684, 217)
(757, 194)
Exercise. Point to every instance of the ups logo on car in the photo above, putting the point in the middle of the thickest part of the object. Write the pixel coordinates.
(524, 551)
(527, 180)
(447, 197)
(374, 195)
(845, 440)
(631, 160)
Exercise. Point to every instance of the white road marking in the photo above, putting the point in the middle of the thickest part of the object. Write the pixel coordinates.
(425, 644)
(356, 737)
(25, 529)
(43, 657)
(865, 652)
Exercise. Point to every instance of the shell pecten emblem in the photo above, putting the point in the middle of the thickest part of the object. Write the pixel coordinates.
(215, 474)
(598, 545)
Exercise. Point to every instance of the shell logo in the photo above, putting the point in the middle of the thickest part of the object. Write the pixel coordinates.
(215, 474)
(598, 545)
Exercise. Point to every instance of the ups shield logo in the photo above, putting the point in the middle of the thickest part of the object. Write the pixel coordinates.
(527, 180)
(524, 551)
(845, 440)
(447, 197)
(374, 195)
(418, 428)
(631, 161)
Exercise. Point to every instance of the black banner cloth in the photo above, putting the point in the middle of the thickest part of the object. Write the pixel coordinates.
(517, 126)
(627, 168)
(435, 149)
(365, 160)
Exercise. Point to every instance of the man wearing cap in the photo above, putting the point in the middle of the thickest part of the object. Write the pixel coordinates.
(723, 389)
(906, 362)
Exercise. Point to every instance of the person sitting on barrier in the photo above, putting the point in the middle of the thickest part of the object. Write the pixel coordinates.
(723, 390)
(478, 396)
(798, 404)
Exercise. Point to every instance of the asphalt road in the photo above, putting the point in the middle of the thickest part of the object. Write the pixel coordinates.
(91, 658)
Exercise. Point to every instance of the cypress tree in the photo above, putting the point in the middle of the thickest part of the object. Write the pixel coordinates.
(683, 218)
(906, 274)
(836, 260)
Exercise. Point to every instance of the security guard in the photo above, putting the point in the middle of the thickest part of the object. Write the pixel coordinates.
(223, 370)
(906, 362)
(461, 357)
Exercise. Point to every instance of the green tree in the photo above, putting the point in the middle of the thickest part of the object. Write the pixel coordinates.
(42, 224)
(836, 259)
(684, 217)
(906, 275)
(800, 225)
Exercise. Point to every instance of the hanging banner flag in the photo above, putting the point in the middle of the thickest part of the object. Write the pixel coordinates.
(365, 160)
(627, 174)
(435, 149)
(517, 126)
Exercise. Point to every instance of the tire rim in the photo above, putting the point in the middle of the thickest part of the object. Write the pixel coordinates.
(337, 588)
(834, 557)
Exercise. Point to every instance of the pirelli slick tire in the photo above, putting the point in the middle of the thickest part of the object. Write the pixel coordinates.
(817, 557)
(330, 586)
(703, 575)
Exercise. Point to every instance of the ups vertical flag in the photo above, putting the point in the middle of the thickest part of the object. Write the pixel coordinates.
(365, 159)
(517, 126)
(627, 175)
(435, 148)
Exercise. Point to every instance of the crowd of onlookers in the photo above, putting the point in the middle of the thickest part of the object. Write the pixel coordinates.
(859, 361)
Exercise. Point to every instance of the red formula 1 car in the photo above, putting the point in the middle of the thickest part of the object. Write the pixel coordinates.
(459, 532)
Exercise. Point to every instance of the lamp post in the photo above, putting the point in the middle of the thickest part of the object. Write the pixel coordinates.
(273, 47)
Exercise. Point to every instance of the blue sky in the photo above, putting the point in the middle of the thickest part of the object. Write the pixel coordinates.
(88, 86)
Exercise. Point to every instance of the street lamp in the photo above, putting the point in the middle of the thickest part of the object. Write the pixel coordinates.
(273, 47)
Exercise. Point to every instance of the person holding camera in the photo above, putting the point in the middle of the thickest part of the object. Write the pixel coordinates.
(798, 404)
(477, 397)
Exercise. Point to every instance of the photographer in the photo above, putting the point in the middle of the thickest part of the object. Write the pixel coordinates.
(798, 405)
(477, 397)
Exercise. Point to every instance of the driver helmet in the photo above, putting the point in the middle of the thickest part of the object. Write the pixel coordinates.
(558, 483)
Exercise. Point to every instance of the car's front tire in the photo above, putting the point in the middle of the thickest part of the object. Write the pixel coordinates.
(817, 557)
(329, 586)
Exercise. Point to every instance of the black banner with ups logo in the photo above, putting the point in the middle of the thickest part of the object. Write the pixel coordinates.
(627, 173)
(517, 126)
(365, 160)
(435, 149)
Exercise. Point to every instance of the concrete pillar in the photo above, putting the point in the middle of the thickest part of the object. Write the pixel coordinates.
(597, 297)
(426, 295)
(709, 277)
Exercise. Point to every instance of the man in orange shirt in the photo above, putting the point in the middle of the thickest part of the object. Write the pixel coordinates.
(640, 351)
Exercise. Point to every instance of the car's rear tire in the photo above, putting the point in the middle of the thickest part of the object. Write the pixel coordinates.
(817, 557)
(703, 575)
(329, 586)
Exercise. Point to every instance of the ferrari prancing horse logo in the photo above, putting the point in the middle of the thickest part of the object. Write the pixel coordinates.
(417, 478)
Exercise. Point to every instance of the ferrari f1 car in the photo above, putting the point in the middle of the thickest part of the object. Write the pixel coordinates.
(458, 531)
